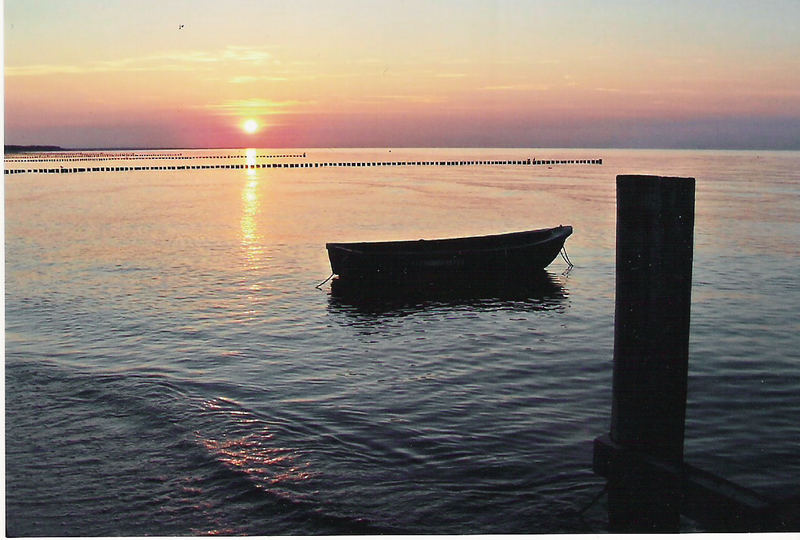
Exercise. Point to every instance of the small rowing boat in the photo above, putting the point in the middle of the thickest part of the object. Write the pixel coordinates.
(472, 257)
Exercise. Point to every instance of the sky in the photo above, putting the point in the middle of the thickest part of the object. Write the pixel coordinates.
(402, 73)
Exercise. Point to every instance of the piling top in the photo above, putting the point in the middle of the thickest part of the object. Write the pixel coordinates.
(646, 204)
(642, 178)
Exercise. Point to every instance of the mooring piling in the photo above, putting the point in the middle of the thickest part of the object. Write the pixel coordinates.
(649, 484)
(655, 226)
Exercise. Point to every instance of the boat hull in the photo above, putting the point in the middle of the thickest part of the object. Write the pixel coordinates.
(474, 257)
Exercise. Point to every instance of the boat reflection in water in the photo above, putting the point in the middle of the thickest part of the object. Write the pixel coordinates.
(539, 290)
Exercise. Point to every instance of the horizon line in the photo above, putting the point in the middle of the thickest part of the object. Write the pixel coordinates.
(610, 147)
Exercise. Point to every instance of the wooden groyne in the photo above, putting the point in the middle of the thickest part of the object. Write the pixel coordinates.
(304, 165)
(104, 156)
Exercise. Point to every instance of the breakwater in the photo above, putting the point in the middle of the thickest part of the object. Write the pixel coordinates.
(107, 156)
(315, 164)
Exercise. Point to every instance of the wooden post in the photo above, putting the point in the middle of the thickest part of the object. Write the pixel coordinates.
(655, 225)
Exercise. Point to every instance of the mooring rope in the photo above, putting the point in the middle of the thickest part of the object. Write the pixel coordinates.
(566, 257)
(324, 282)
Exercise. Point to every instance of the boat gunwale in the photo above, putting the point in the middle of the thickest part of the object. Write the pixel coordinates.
(448, 245)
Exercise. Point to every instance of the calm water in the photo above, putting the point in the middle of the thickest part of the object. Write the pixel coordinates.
(172, 369)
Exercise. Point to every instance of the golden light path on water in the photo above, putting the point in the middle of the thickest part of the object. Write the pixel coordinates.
(251, 239)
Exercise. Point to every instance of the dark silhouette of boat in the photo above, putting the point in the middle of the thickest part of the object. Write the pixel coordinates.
(477, 257)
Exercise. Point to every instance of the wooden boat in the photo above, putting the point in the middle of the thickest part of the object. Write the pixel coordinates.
(473, 257)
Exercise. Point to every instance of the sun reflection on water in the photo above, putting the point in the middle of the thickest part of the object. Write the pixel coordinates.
(250, 160)
(247, 446)
(251, 239)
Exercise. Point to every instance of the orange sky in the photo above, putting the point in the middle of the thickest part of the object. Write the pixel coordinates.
(90, 73)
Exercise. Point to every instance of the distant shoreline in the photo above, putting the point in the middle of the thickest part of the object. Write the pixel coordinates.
(31, 148)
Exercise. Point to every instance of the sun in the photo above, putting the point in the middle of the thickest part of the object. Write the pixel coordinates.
(250, 126)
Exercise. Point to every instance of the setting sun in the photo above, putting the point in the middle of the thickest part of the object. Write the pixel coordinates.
(250, 126)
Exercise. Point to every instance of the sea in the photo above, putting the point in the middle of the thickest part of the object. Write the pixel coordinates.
(175, 365)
